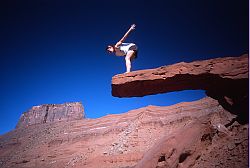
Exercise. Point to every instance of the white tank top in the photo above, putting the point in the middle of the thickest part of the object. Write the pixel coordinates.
(124, 48)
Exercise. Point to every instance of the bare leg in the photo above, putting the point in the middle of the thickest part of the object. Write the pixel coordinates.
(128, 57)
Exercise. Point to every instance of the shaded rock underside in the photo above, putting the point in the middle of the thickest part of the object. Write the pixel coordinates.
(223, 75)
(224, 79)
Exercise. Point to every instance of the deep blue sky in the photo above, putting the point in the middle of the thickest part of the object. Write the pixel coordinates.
(52, 51)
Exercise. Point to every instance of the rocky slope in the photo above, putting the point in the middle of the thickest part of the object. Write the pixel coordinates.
(184, 134)
(205, 133)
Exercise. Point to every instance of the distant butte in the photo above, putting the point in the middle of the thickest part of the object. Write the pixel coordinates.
(48, 113)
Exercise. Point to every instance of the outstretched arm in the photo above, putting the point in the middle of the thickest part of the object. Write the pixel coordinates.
(125, 35)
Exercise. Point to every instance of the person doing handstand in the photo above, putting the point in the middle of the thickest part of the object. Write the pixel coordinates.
(129, 50)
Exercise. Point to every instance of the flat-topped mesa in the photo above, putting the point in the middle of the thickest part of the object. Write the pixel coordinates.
(48, 113)
(225, 75)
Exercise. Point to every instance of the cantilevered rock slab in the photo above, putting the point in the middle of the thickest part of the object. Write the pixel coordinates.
(225, 75)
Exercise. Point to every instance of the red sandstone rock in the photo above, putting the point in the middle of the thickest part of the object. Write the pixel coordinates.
(220, 74)
(186, 134)
(205, 133)
(51, 113)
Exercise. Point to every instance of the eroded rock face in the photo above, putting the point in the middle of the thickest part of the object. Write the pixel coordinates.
(182, 135)
(51, 113)
(222, 75)
(224, 79)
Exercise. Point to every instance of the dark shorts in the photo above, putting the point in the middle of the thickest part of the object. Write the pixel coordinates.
(135, 49)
